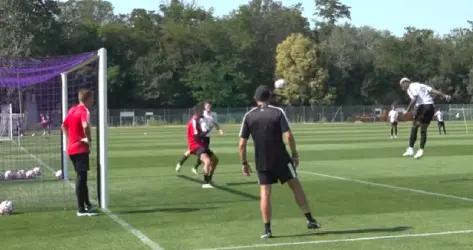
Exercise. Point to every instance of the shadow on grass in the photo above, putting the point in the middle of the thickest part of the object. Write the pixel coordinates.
(223, 188)
(458, 180)
(350, 231)
(164, 210)
(242, 183)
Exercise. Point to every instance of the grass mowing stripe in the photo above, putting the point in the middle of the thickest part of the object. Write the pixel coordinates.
(137, 233)
(383, 237)
(389, 186)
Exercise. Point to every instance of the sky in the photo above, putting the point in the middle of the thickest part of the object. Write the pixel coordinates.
(394, 15)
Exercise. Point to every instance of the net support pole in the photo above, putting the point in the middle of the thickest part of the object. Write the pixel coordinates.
(102, 102)
(64, 108)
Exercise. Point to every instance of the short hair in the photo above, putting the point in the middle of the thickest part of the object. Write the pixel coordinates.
(84, 94)
(263, 93)
(198, 109)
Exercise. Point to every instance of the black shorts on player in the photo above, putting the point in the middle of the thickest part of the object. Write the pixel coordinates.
(203, 150)
(424, 113)
(282, 173)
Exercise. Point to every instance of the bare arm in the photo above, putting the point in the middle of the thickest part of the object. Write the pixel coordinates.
(439, 93)
(244, 162)
(292, 145)
(411, 104)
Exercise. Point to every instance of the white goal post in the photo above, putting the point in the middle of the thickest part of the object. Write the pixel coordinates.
(102, 125)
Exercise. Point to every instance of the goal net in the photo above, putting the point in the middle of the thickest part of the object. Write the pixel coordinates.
(35, 95)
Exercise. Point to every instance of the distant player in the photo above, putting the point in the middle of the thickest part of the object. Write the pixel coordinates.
(197, 145)
(267, 125)
(76, 127)
(440, 122)
(45, 123)
(421, 97)
(207, 124)
(393, 120)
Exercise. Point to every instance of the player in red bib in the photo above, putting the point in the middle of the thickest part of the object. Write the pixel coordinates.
(76, 126)
(197, 146)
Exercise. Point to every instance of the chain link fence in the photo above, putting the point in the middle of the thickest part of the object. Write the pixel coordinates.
(302, 114)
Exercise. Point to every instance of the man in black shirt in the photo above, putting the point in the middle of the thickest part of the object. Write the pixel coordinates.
(267, 125)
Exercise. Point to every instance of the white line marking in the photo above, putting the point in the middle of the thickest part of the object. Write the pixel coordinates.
(137, 233)
(419, 191)
(383, 237)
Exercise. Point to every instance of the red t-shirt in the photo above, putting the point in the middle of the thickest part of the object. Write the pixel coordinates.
(193, 129)
(77, 118)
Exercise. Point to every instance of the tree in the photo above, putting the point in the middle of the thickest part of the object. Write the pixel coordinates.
(331, 10)
(298, 63)
(28, 27)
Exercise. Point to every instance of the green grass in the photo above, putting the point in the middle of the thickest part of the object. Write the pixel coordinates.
(176, 213)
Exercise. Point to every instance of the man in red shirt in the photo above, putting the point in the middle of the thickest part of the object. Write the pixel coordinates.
(197, 146)
(76, 126)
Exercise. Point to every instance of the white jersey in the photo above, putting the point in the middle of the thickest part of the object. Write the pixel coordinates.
(439, 116)
(393, 115)
(209, 122)
(420, 93)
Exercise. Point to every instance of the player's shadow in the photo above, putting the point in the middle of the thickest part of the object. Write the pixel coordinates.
(350, 231)
(242, 183)
(223, 188)
(458, 180)
(165, 210)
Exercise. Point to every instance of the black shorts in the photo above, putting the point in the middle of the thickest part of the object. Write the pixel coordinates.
(80, 161)
(206, 141)
(424, 113)
(393, 123)
(203, 150)
(281, 174)
(441, 123)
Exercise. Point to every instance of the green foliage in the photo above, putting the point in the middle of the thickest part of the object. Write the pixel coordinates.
(183, 54)
(298, 63)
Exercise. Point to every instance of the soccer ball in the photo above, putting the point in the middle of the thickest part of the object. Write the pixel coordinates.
(280, 83)
(457, 116)
(6, 207)
(37, 171)
(20, 174)
(58, 174)
(8, 175)
(29, 174)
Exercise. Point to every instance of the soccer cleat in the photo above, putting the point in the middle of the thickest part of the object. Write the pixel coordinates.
(409, 152)
(392, 137)
(419, 154)
(207, 185)
(266, 235)
(194, 170)
(395, 137)
(313, 225)
(178, 167)
(82, 213)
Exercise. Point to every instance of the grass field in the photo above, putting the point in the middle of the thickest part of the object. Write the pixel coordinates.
(365, 195)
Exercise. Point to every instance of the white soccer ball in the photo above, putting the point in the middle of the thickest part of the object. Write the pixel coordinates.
(280, 83)
(29, 174)
(8, 175)
(6, 207)
(58, 174)
(20, 174)
(37, 171)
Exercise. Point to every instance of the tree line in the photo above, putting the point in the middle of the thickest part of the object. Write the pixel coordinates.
(183, 53)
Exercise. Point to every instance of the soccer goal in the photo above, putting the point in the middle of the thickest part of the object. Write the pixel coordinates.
(461, 113)
(35, 95)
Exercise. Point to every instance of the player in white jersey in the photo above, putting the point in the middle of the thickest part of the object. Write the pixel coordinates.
(393, 120)
(421, 97)
(440, 122)
(208, 123)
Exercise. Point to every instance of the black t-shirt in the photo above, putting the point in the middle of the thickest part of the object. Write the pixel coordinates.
(266, 125)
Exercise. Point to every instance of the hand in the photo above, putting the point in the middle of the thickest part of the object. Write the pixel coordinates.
(404, 112)
(448, 98)
(246, 169)
(295, 160)
(220, 132)
(85, 140)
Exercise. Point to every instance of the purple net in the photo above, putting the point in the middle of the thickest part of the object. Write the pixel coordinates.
(26, 72)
